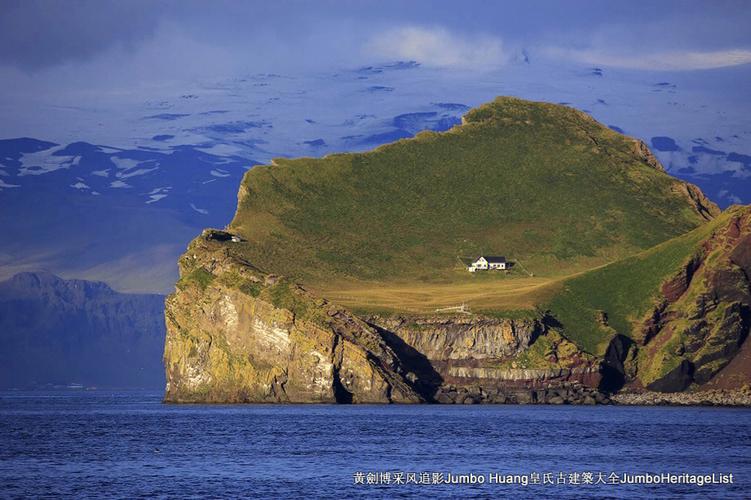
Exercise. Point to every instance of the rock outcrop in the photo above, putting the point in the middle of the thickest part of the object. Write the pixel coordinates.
(703, 317)
(235, 334)
(736, 397)
(476, 359)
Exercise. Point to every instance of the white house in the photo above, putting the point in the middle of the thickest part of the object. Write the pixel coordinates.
(488, 262)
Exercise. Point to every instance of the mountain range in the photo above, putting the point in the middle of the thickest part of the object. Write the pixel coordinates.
(57, 332)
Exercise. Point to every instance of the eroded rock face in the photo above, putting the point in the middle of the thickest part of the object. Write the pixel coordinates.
(703, 317)
(235, 334)
(462, 337)
(482, 359)
(703, 205)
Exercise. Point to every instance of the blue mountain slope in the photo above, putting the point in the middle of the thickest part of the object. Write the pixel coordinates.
(57, 332)
(104, 213)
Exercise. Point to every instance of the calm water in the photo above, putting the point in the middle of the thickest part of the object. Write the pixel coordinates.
(99, 444)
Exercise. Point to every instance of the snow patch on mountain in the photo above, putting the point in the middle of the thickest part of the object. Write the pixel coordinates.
(43, 162)
(157, 194)
(124, 163)
(202, 211)
(133, 173)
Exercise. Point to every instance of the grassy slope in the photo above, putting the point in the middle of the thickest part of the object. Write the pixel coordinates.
(625, 290)
(484, 295)
(538, 182)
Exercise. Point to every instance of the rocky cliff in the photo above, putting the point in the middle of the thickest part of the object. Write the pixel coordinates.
(701, 320)
(236, 334)
(477, 359)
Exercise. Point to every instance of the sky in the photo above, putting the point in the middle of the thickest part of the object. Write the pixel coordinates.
(54, 45)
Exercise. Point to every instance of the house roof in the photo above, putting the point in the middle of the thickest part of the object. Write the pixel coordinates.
(494, 259)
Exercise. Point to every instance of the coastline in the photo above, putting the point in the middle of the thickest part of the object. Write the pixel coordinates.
(740, 398)
(718, 397)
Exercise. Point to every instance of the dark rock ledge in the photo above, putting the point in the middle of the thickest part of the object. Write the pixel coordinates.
(570, 393)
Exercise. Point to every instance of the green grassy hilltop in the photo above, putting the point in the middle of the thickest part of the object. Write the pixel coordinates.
(541, 183)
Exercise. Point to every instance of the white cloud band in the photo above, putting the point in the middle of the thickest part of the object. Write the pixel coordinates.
(661, 61)
(438, 47)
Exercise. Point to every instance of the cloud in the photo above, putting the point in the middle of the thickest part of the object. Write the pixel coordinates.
(724, 193)
(37, 34)
(659, 61)
(438, 47)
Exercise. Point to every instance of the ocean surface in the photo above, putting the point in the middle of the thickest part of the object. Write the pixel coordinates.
(78, 444)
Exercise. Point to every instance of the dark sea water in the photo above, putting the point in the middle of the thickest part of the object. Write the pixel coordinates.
(129, 444)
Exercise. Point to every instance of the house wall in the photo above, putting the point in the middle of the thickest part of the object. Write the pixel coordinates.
(482, 264)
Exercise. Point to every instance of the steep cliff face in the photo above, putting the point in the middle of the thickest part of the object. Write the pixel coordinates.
(702, 319)
(235, 334)
(675, 317)
(458, 359)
